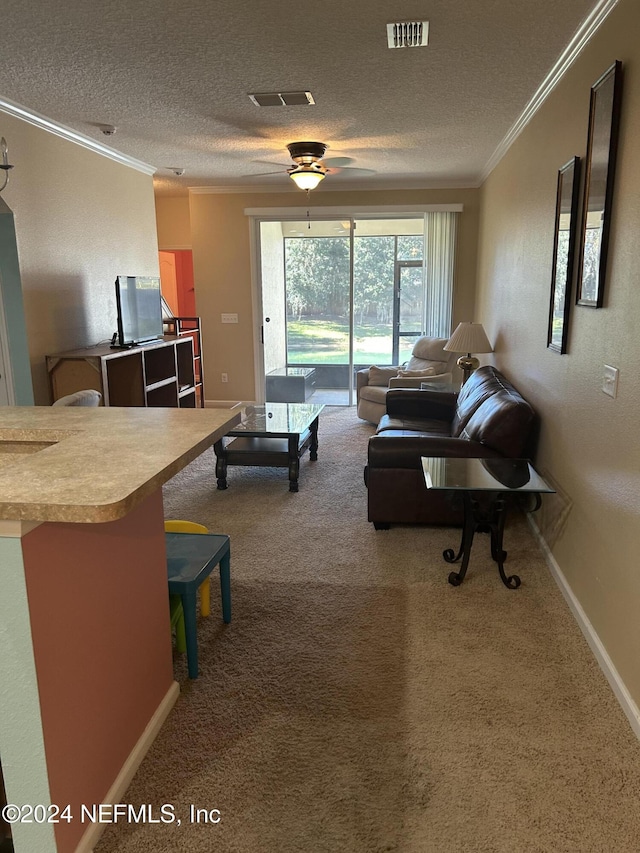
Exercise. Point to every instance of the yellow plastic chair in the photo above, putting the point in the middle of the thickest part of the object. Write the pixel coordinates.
(178, 526)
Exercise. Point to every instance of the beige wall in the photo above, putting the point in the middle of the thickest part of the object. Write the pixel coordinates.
(174, 226)
(81, 219)
(222, 267)
(589, 442)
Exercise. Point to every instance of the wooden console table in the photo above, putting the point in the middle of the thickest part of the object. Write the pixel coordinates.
(162, 373)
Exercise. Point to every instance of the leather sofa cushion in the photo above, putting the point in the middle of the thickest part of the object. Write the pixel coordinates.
(484, 384)
(416, 426)
(404, 449)
(423, 405)
(502, 422)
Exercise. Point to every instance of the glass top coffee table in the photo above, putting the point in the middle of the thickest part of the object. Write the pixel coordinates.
(487, 487)
(272, 436)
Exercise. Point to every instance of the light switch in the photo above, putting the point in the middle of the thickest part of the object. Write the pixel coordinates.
(610, 380)
(229, 318)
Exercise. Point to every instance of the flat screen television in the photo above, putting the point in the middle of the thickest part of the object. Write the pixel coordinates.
(139, 302)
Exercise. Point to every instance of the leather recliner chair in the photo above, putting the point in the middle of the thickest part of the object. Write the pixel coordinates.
(429, 362)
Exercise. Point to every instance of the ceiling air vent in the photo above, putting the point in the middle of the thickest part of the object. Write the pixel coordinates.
(282, 99)
(408, 34)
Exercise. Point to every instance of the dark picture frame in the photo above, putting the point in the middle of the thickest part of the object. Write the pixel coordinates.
(600, 161)
(564, 241)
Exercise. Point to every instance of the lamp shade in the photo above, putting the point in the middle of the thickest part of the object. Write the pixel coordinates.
(308, 176)
(468, 337)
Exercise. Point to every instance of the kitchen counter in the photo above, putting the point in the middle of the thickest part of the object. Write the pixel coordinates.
(86, 667)
(79, 464)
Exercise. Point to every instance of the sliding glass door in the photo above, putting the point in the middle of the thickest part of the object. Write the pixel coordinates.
(389, 288)
(307, 309)
(342, 294)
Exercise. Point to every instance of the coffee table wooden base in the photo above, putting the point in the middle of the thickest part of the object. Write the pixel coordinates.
(267, 452)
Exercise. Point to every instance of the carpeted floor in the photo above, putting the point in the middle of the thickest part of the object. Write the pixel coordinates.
(358, 703)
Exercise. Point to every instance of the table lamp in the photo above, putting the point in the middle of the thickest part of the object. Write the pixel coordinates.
(468, 337)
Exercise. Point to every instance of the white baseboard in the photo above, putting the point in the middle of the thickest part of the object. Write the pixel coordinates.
(129, 768)
(631, 710)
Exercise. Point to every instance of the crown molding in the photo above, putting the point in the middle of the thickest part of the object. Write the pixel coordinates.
(44, 123)
(583, 36)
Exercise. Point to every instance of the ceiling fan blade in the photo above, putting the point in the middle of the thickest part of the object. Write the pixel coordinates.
(337, 162)
(272, 163)
(282, 171)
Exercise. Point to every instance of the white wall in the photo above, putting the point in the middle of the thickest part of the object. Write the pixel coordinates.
(81, 219)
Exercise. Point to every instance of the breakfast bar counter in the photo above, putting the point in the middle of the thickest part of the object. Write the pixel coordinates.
(86, 675)
(95, 464)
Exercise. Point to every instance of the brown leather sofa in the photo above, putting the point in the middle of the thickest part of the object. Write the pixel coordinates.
(487, 418)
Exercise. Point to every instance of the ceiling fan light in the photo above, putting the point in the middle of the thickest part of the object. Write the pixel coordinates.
(307, 177)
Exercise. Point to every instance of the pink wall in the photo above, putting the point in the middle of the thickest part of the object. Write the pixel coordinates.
(100, 621)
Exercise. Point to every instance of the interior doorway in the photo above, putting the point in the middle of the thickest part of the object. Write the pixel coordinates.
(176, 280)
(307, 309)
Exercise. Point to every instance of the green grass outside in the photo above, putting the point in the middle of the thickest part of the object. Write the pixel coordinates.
(327, 342)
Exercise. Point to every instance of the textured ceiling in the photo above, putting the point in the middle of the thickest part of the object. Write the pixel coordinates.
(174, 79)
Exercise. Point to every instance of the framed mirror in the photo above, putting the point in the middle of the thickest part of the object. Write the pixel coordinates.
(602, 139)
(567, 197)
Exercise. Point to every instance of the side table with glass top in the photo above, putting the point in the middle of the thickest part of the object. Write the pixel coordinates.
(271, 436)
(487, 487)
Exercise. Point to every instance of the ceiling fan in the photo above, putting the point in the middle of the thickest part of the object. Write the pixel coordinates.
(309, 168)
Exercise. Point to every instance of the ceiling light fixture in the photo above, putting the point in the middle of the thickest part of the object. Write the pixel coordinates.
(309, 170)
(307, 177)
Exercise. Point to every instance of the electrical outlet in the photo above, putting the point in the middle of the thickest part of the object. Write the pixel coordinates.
(610, 380)
(225, 377)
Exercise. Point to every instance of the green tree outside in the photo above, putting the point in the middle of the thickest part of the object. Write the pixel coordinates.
(317, 286)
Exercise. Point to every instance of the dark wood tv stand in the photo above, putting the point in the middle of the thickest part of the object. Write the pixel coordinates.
(159, 373)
